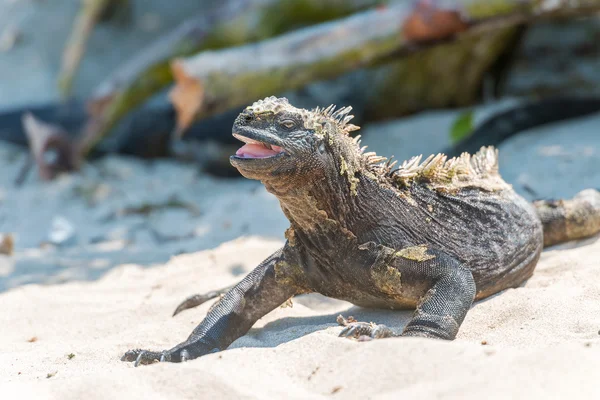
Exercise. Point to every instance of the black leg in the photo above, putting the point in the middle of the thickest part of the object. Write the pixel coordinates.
(268, 286)
(449, 291)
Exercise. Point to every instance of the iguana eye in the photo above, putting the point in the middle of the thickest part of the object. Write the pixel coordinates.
(288, 123)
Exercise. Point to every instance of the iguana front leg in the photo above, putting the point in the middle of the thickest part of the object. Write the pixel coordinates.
(268, 286)
(449, 291)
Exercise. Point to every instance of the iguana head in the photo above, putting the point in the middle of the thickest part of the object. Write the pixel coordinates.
(285, 142)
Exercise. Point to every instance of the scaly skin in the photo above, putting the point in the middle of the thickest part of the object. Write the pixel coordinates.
(433, 236)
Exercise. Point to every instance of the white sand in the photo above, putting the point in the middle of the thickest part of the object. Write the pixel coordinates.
(542, 340)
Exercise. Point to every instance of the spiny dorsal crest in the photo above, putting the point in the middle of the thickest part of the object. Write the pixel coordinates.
(371, 158)
(480, 169)
(340, 117)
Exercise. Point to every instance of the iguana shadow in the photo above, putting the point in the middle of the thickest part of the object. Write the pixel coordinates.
(286, 329)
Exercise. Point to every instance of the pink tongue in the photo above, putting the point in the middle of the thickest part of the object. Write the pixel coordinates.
(257, 151)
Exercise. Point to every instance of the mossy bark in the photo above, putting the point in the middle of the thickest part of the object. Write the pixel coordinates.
(442, 76)
(423, 72)
(452, 74)
(215, 81)
(234, 22)
(437, 73)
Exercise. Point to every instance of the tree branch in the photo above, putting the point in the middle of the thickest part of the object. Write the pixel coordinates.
(234, 22)
(214, 81)
(90, 12)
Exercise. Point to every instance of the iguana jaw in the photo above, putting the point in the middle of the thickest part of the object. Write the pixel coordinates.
(260, 156)
(256, 148)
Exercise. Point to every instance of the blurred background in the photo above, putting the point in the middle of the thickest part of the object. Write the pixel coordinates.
(115, 115)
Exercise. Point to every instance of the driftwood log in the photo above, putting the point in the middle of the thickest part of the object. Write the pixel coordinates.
(431, 48)
(90, 13)
(233, 22)
(214, 81)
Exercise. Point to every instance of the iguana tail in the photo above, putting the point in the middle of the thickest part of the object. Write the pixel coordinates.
(566, 220)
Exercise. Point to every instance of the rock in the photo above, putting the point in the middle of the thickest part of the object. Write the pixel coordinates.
(62, 232)
(7, 244)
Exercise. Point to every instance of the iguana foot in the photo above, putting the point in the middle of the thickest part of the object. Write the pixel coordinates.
(139, 356)
(175, 355)
(363, 331)
(421, 334)
(144, 357)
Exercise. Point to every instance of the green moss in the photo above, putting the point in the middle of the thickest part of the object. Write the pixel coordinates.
(159, 75)
(265, 83)
(152, 80)
(428, 79)
(492, 8)
(284, 16)
(233, 33)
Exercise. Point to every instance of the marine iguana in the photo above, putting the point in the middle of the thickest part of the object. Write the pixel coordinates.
(432, 235)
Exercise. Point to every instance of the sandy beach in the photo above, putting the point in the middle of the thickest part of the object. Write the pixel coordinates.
(538, 340)
(102, 256)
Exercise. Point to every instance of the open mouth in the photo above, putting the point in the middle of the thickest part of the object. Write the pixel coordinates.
(256, 149)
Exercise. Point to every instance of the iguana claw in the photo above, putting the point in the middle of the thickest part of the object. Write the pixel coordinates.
(144, 357)
(363, 331)
(175, 355)
(184, 355)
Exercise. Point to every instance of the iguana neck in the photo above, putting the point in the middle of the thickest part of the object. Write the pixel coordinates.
(307, 207)
(332, 193)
